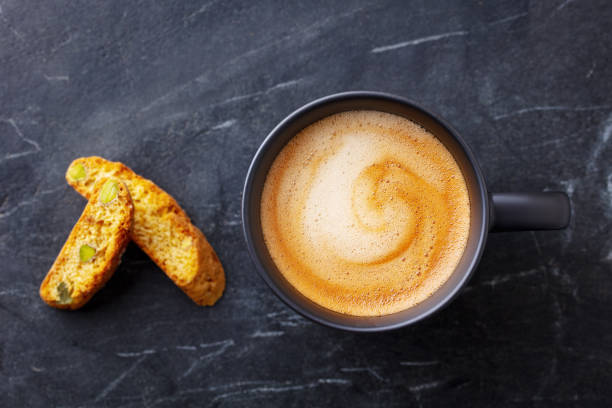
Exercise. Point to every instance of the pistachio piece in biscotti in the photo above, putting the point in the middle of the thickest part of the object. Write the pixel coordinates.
(77, 172)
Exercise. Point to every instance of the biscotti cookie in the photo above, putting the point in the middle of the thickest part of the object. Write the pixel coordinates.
(93, 249)
(161, 229)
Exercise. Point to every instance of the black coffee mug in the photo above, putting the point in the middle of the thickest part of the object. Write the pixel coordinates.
(489, 211)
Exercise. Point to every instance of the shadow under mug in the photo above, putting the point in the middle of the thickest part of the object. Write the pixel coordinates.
(489, 211)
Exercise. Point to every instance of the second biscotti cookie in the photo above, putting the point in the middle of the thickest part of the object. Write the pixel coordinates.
(161, 229)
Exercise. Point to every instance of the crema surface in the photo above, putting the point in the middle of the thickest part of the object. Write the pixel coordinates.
(365, 213)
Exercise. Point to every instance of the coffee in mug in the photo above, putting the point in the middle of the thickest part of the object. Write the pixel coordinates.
(365, 213)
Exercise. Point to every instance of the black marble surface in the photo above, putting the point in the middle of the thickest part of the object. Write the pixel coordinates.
(184, 92)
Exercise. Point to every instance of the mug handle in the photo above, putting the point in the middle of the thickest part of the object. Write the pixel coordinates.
(529, 211)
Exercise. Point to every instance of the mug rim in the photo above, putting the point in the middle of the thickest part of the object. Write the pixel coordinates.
(248, 187)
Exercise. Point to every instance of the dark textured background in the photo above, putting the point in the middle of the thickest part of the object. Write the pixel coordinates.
(184, 92)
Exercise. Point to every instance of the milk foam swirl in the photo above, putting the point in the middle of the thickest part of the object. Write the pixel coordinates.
(365, 213)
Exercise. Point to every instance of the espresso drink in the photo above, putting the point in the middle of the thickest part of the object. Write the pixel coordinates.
(365, 213)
